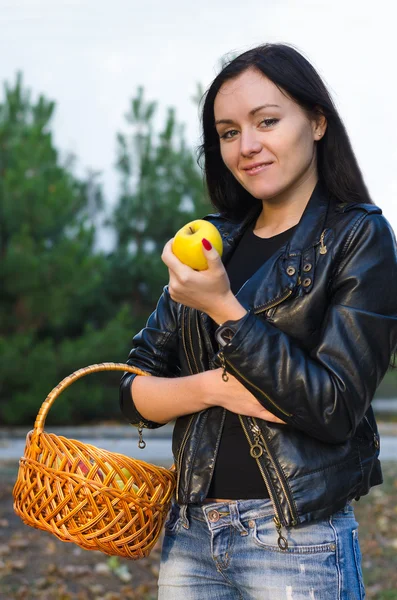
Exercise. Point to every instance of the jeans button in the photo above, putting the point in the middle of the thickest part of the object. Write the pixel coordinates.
(213, 516)
(332, 547)
(251, 524)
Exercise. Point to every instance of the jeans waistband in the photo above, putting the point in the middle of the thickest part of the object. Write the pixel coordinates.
(232, 512)
(219, 514)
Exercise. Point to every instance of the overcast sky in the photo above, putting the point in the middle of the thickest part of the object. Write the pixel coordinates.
(90, 56)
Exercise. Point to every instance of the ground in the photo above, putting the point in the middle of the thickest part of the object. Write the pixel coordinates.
(36, 565)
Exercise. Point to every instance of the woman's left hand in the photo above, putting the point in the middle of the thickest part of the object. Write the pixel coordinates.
(208, 291)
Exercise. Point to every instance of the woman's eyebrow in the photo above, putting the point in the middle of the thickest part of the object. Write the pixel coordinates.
(251, 113)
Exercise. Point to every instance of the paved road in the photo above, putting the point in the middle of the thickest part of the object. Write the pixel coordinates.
(157, 451)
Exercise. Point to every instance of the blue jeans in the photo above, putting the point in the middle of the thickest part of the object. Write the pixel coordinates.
(229, 551)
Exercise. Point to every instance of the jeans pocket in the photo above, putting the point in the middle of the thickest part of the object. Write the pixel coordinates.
(172, 520)
(357, 560)
(309, 538)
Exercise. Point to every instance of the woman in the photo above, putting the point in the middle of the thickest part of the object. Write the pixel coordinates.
(269, 359)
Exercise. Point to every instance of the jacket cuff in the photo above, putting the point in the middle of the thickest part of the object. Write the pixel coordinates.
(239, 352)
(127, 405)
(236, 326)
(240, 327)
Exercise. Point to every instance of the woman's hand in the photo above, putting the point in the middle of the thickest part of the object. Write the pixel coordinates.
(235, 397)
(208, 291)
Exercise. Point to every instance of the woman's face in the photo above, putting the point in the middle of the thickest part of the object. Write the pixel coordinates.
(259, 125)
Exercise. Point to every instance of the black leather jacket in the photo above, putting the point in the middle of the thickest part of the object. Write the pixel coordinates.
(316, 341)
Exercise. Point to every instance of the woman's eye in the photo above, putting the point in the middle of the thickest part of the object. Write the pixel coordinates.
(232, 132)
(228, 134)
(269, 122)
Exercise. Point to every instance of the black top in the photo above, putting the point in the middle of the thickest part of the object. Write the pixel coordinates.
(236, 474)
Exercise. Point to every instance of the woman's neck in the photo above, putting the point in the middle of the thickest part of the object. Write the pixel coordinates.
(283, 212)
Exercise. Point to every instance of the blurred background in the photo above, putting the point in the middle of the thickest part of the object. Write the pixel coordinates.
(99, 129)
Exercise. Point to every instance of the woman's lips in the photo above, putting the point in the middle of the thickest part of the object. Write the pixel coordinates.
(258, 169)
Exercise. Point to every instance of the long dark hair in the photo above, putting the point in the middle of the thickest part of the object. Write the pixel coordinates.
(290, 72)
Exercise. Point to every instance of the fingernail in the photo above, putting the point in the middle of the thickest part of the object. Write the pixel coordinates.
(207, 245)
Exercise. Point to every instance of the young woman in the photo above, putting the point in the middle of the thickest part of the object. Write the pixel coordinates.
(269, 359)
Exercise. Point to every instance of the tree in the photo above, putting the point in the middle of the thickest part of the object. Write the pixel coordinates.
(161, 189)
(63, 304)
(51, 322)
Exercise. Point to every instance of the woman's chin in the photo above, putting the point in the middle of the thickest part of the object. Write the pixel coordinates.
(264, 192)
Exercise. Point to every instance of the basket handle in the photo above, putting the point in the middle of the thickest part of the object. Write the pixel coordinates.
(57, 391)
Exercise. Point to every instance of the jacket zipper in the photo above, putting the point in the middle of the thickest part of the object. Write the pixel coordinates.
(375, 436)
(221, 355)
(287, 293)
(184, 339)
(180, 454)
(225, 378)
(257, 431)
(185, 436)
(273, 303)
(141, 441)
(323, 247)
(256, 452)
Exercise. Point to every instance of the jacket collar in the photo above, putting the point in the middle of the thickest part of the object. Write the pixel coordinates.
(282, 272)
(306, 233)
(312, 222)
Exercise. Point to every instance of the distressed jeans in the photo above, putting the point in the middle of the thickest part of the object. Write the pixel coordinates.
(229, 551)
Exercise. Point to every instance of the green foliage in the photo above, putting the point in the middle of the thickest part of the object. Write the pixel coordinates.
(45, 233)
(161, 189)
(65, 305)
(51, 322)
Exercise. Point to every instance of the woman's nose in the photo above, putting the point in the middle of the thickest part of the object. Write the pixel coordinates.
(249, 144)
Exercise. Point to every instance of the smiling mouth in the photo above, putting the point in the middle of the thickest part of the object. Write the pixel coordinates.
(258, 168)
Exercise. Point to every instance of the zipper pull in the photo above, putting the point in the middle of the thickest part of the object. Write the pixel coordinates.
(281, 541)
(256, 449)
(323, 247)
(141, 442)
(225, 376)
(255, 429)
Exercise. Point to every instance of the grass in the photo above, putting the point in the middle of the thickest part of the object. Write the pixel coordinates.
(45, 558)
(377, 517)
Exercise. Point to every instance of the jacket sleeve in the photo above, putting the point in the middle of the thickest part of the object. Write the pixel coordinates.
(154, 350)
(326, 392)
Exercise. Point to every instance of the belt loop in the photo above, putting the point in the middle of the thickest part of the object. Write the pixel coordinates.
(235, 519)
(183, 516)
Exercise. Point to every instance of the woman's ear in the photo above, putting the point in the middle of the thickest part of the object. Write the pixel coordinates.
(319, 124)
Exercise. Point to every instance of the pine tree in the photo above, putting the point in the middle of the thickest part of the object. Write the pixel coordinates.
(51, 320)
(161, 190)
(63, 304)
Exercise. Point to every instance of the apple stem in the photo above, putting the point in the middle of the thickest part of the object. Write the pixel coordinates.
(191, 229)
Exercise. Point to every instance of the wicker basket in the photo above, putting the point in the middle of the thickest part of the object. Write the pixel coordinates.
(94, 498)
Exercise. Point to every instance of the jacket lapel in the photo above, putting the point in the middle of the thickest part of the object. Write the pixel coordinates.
(276, 279)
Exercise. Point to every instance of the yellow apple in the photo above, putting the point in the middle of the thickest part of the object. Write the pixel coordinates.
(119, 481)
(187, 244)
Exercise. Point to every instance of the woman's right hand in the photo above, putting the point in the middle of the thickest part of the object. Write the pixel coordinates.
(233, 396)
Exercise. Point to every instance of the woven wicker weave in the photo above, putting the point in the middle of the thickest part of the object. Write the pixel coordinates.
(81, 493)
